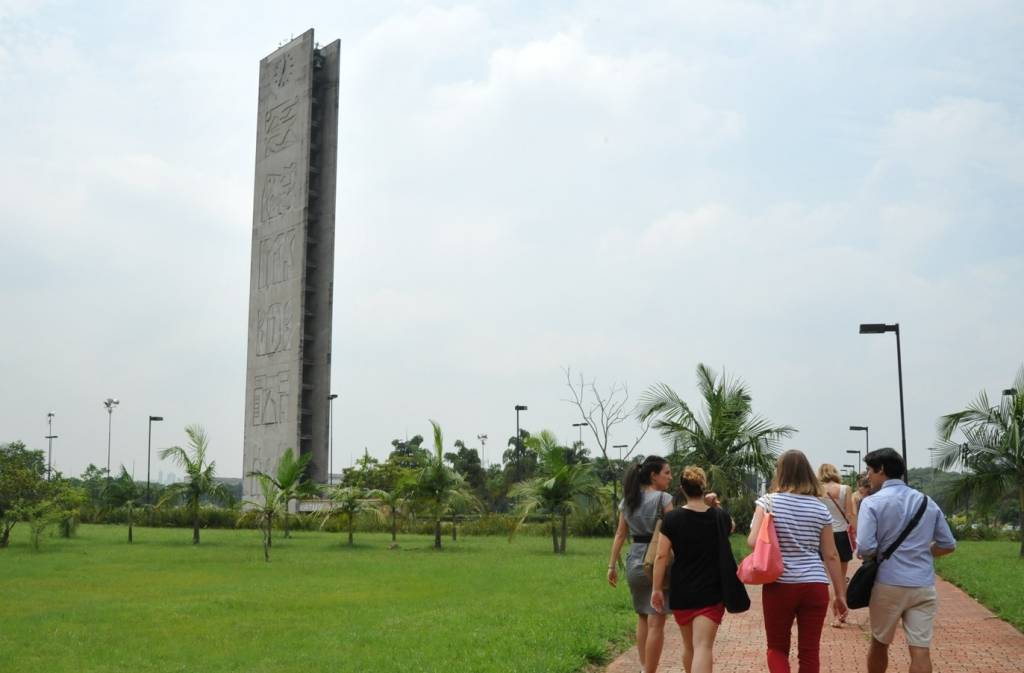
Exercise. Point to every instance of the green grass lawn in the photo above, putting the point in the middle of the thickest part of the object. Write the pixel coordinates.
(94, 604)
(992, 572)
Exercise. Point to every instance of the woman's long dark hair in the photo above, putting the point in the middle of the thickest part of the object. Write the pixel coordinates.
(640, 475)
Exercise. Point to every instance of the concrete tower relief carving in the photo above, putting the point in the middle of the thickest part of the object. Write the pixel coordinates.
(290, 288)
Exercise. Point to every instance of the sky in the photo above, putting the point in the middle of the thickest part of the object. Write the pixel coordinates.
(622, 189)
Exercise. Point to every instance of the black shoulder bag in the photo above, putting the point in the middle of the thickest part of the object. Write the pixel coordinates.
(734, 594)
(858, 592)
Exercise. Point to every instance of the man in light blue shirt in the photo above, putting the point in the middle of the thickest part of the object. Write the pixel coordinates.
(905, 586)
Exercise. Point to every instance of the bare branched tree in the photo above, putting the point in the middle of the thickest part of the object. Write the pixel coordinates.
(602, 412)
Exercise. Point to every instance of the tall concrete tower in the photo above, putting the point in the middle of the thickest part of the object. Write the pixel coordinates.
(288, 368)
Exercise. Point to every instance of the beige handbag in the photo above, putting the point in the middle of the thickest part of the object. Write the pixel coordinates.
(652, 548)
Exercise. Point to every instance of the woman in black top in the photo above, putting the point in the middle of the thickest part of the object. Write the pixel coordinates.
(692, 533)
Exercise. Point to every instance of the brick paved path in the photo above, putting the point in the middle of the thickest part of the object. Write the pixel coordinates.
(968, 639)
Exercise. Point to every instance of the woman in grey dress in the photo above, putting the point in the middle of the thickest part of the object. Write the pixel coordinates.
(644, 488)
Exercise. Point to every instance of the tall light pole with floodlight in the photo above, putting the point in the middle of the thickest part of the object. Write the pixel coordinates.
(483, 449)
(149, 451)
(882, 328)
(330, 420)
(49, 451)
(110, 403)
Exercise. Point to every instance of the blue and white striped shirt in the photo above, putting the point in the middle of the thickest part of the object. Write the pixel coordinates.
(799, 520)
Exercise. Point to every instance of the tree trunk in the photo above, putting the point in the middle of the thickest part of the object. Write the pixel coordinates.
(1020, 522)
(129, 525)
(565, 531)
(394, 527)
(437, 532)
(286, 533)
(350, 517)
(5, 537)
(195, 526)
(266, 540)
(455, 530)
(615, 501)
(554, 534)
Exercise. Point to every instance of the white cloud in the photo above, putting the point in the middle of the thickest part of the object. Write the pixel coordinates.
(624, 190)
(954, 137)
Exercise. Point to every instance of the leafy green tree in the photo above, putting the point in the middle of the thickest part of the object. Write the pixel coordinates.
(125, 495)
(199, 476)
(22, 485)
(370, 473)
(466, 461)
(349, 502)
(271, 506)
(58, 503)
(559, 488)
(409, 454)
(290, 480)
(68, 500)
(520, 461)
(992, 453)
(93, 479)
(439, 488)
(725, 437)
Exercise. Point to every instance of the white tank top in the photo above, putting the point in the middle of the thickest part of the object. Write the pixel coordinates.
(839, 523)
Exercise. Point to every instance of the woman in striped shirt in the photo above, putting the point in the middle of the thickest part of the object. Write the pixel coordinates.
(804, 528)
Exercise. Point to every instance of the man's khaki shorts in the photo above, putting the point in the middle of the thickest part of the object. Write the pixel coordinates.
(914, 605)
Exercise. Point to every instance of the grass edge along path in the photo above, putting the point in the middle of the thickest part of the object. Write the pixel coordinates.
(992, 573)
(482, 604)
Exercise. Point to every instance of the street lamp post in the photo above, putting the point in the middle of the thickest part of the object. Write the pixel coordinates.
(853, 471)
(867, 434)
(881, 328)
(580, 426)
(330, 421)
(49, 440)
(149, 451)
(110, 403)
(483, 449)
(857, 451)
(615, 483)
(620, 447)
(519, 407)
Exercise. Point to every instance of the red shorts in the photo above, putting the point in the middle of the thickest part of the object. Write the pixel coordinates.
(713, 612)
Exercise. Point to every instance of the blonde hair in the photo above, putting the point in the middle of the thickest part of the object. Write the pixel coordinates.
(693, 482)
(794, 474)
(829, 472)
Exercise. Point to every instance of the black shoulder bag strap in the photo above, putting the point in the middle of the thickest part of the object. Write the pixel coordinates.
(906, 531)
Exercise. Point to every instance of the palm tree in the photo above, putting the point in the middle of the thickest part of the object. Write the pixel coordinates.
(199, 476)
(992, 454)
(440, 488)
(391, 505)
(271, 506)
(558, 489)
(290, 480)
(123, 493)
(725, 437)
(349, 501)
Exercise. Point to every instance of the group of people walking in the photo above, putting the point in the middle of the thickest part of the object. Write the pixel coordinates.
(818, 522)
